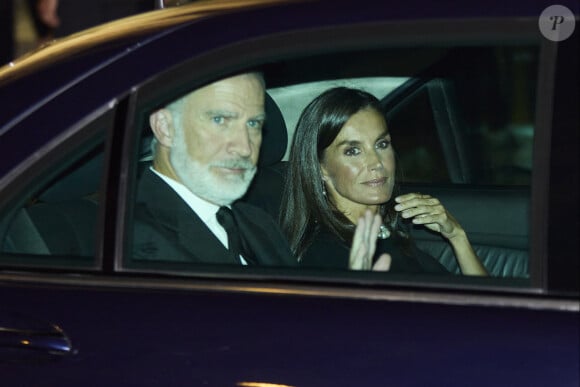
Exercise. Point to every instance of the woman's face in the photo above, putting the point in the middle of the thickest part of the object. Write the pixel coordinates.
(358, 168)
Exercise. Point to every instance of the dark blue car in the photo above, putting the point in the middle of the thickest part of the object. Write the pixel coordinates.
(482, 103)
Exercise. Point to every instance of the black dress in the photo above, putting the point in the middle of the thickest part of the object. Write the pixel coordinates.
(329, 251)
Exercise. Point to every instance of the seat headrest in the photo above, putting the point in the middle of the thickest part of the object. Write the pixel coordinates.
(274, 135)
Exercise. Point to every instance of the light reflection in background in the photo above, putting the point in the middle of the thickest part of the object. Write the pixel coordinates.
(260, 384)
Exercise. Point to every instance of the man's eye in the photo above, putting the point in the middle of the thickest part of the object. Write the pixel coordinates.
(255, 124)
(351, 151)
(218, 120)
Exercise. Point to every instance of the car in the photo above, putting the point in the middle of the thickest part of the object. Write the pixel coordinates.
(482, 103)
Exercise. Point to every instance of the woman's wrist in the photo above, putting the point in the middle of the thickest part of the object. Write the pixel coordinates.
(457, 236)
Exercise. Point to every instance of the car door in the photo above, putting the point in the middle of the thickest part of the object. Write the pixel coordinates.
(76, 313)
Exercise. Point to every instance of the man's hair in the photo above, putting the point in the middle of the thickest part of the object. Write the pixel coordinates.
(176, 106)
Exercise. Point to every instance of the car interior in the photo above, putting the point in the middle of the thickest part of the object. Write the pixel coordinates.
(61, 219)
(501, 241)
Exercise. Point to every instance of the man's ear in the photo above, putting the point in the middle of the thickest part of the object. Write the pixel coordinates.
(161, 123)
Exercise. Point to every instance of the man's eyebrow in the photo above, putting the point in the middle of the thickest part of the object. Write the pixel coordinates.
(230, 114)
(225, 113)
(261, 117)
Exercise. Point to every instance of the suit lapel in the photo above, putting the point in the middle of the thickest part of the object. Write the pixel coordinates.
(194, 235)
(185, 226)
(261, 236)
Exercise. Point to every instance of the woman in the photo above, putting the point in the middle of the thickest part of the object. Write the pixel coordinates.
(342, 174)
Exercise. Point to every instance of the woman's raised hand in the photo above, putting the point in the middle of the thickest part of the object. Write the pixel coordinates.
(364, 244)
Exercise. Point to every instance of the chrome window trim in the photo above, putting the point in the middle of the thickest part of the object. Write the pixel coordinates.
(536, 302)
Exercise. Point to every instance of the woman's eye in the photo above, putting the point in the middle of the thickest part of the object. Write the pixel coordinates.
(383, 144)
(351, 151)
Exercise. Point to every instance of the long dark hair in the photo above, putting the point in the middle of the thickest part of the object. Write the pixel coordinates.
(305, 206)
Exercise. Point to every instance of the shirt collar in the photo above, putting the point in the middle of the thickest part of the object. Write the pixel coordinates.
(204, 209)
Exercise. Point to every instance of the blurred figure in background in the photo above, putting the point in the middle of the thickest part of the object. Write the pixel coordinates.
(57, 18)
(6, 31)
(26, 24)
(173, 3)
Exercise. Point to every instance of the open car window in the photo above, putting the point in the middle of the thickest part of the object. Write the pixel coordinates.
(462, 119)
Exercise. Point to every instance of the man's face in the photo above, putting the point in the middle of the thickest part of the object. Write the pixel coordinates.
(217, 143)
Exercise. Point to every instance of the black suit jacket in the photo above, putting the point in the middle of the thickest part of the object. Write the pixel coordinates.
(166, 229)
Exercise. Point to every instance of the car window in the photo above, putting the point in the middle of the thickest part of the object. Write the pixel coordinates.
(53, 222)
(462, 121)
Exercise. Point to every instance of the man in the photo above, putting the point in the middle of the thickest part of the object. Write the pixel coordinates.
(205, 153)
(6, 31)
(57, 18)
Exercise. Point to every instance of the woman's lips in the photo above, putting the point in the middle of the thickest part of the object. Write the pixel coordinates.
(376, 182)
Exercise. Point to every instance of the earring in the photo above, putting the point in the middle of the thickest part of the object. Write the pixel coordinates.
(323, 188)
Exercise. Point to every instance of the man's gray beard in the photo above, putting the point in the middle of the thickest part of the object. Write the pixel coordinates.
(202, 183)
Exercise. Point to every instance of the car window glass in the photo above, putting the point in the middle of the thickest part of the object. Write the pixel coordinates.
(56, 223)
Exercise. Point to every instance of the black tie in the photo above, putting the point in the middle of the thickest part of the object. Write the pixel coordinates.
(226, 218)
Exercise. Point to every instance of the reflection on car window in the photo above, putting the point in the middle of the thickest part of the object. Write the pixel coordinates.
(58, 219)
